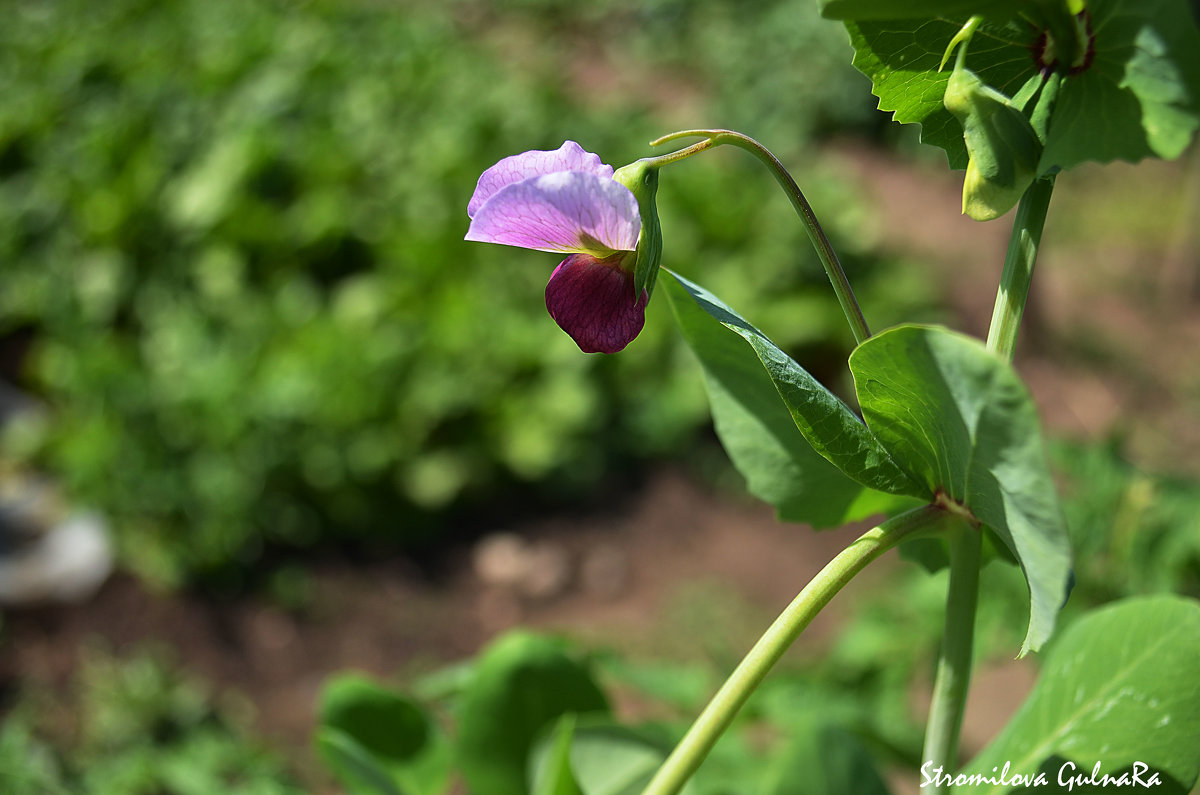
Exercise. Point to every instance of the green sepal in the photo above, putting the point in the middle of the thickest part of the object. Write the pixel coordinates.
(642, 180)
(1003, 146)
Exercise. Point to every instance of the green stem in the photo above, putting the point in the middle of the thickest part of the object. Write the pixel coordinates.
(828, 257)
(720, 712)
(940, 754)
(1018, 267)
(954, 664)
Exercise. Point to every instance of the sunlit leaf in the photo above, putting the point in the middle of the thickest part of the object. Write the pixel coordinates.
(1120, 688)
(799, 447)
(521, 684)
(1136, 95)
(369, 733)
(960, 420)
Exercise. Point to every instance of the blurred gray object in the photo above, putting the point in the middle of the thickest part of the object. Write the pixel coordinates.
(49, 552)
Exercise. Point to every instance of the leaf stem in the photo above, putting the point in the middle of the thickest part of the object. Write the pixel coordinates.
(1018, 267)
(816, 234)
(940, 754)
(720, 712)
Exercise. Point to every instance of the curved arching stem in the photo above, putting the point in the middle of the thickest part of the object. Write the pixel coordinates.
(816, 234)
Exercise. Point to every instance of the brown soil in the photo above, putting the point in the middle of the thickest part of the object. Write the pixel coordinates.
(386, 616)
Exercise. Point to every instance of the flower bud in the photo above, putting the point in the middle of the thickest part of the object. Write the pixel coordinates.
(1002, 145)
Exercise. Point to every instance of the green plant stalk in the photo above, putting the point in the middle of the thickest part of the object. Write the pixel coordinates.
(1018, 267)
(720, 712)
(953, 677)
(953, 680)
(816, 234)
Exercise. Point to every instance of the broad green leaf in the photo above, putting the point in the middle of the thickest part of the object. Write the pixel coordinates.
(908, 9)
(1137, 96)
(355, 767)
(902, 58)
(611, 759)
(381, 721)
(551, 773)
(521, 684)
(962, 423)
(818, 759)
(799, 447)
(1141, 96)
(1121, 687)
(386, 729)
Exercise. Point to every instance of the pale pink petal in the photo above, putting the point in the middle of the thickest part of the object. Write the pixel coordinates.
(568, 157)
(593, 301)
(569, 212)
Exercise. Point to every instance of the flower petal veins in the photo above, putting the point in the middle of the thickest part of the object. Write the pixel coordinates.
(592, 300)
(568, 212)
(517, 168)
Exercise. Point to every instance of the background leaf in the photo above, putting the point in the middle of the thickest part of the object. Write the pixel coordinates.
(761, 436)
(521, 684)
(961, 421)
(355, 767)
(551, 773)
(611, 759)
(369, 734)
(1120, 686)
(819, 759)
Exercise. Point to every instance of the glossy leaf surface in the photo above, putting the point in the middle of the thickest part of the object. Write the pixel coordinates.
(520, 686)
(962, 423)
(799, 447)
(1121, 688)
(1135, 96)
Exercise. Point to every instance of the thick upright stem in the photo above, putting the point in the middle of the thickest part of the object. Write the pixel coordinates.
(954, 664)
(820, 242)
(953, 680)
(720, 712)
(1018, 267)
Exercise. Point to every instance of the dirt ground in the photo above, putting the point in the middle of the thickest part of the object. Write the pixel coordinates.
(613, 575)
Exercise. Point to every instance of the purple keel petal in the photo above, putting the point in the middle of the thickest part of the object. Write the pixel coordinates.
(592, 300)
(568, 157)
(568, 211)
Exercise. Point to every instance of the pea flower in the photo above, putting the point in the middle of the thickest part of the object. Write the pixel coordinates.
(568, 201)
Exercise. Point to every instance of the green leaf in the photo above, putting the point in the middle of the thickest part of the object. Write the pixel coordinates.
(610, 759)
(1137, 97)
(960, 420)
(902, 58)
(1140, 97)
(552, 768)
(355, 767)
(1121, 687)
(521, 684)
(821, 758)
(387, 730)
(780, 426)
(902, 9)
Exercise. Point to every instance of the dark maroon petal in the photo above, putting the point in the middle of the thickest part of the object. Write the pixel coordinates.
(592, 300)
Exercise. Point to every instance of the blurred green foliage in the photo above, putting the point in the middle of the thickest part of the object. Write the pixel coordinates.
(233, 233)
(1134, 532)
(135, 726)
